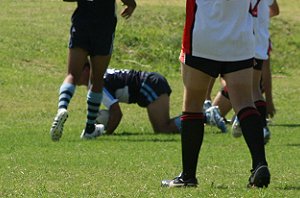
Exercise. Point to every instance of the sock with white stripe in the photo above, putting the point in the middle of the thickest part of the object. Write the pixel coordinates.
(66, 93)
(93, 101)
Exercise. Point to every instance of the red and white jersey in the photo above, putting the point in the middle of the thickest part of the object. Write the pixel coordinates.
(261, 22)
(220, 30)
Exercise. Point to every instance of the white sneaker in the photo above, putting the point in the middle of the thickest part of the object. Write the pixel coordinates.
(58, 124)
(236, 128)
(213, 117)
(99, 130)
(207, 104)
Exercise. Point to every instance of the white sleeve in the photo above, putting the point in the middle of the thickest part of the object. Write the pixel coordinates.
(108, 99)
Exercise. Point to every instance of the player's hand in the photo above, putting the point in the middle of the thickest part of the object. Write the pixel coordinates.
(129, 9)
(271, 111)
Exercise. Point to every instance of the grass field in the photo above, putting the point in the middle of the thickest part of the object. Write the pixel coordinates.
(33, 49)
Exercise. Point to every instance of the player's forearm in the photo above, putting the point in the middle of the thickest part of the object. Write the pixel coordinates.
(267, 80)
(115, 116)
(112, 125)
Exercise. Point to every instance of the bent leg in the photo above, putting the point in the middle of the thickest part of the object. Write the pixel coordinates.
(159, 116)
(98, 66)
(223, 103)
(76, 60)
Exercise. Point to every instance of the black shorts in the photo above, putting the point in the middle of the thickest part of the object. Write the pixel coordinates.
(96, 40)
(258, 64)
(152, 87)
(216, 68)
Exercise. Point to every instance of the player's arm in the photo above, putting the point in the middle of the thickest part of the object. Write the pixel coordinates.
(115, 116)
(129, 9)
(267, 83)
(274, 9)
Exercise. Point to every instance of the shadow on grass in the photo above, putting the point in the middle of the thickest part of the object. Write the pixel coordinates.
(286, 125)
(225, 187)
(296, 145)
(288, 188)
(219, 186)
(125, 133)
(142, 137)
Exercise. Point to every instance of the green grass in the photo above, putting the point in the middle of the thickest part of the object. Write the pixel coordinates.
(33, 49)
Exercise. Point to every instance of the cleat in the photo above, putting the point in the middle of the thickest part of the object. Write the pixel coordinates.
(260, 177)
(236, 128)
(179, 182)
(206, 105)
(58, 124)
(267, 135)
(214, 118)
(99, 130)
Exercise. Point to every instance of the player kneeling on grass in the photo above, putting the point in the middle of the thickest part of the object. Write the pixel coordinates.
(147, 89)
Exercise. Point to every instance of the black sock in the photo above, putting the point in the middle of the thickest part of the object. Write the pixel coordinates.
(252, 129)
(261, 107)
(191, 141)
(89, 128)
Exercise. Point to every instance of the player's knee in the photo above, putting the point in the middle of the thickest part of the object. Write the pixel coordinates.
(165, 128)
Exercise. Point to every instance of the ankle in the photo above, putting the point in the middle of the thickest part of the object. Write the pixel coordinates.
(89, 128)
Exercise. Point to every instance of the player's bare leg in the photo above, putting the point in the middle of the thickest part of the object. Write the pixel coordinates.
(159, 115)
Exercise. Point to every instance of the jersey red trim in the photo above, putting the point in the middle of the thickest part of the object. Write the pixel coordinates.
(191, 8)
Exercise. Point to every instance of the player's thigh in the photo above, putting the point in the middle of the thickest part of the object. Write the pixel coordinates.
(257, 94)
(99, 65)
(239, 85)
(195, 86)
(158, 111)
(76, 60)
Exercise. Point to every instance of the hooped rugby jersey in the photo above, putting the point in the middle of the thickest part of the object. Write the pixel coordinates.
(122, 86)
(220, 30)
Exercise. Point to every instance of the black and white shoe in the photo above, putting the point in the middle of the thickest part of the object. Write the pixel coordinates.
(180, 182)
(260, 177)
(99, 130)
(58, 124)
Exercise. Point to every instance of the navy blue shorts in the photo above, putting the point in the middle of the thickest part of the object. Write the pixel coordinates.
(96, 40)
(152, 87)
(216, 68)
